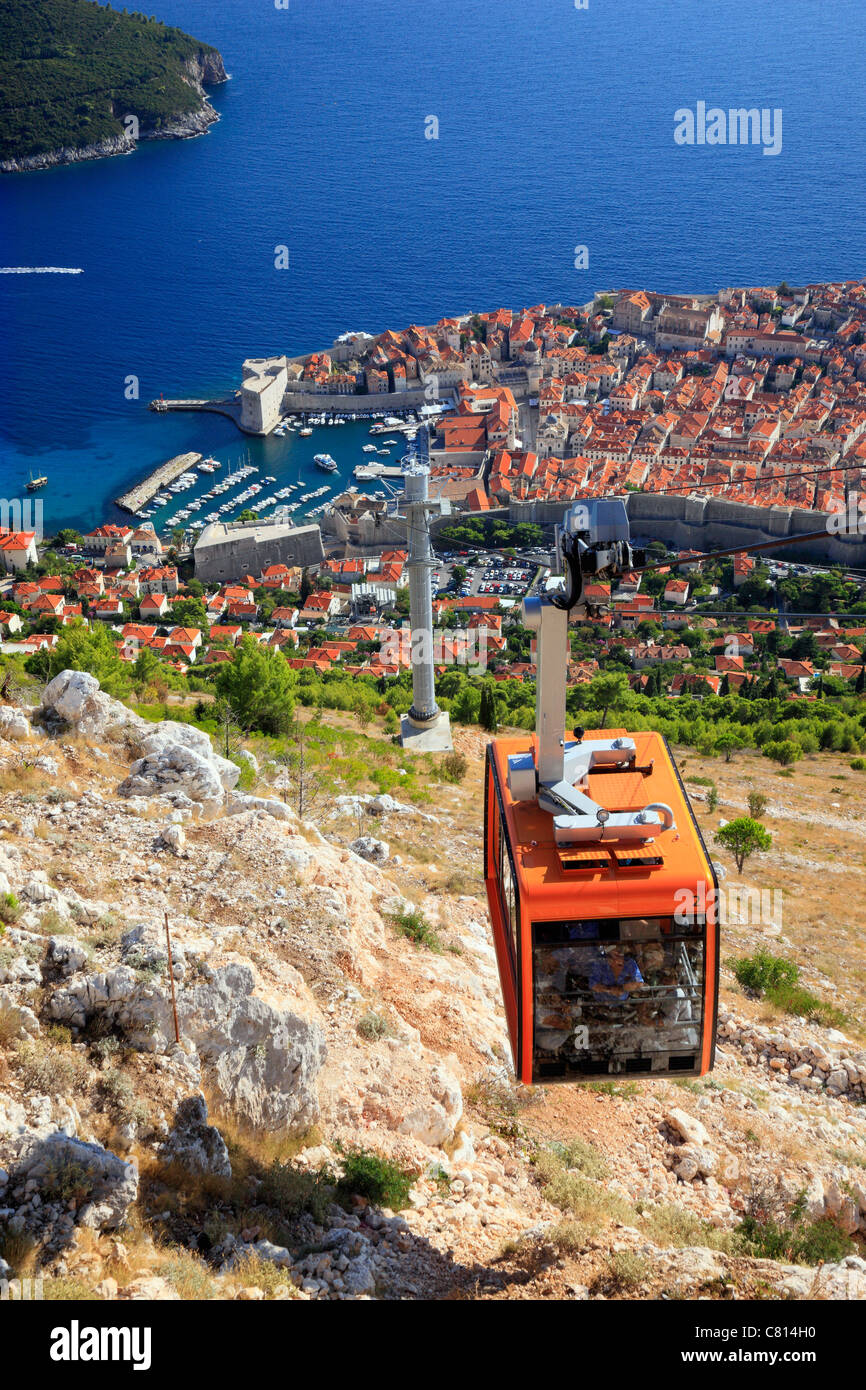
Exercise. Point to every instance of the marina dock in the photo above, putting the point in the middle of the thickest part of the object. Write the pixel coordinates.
(367, 472)
(141, 494)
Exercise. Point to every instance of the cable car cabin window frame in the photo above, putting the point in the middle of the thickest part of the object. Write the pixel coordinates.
(509, 900)
(496, 824)
(652, 1021)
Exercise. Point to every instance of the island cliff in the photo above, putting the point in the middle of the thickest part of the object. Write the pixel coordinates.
(93, 71)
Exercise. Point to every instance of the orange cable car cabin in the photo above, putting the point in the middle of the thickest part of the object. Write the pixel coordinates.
(607, 947)
(601, 892)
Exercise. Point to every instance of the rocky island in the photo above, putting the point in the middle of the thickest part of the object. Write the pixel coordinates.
(83, 81)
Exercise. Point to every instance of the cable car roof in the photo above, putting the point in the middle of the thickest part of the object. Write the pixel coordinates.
(612, 878)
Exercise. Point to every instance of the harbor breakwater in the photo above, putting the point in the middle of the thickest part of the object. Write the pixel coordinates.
(141, 494)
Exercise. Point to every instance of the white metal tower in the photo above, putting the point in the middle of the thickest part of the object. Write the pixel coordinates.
(426, 728)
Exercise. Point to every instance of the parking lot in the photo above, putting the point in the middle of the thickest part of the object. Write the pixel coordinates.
(487, 574)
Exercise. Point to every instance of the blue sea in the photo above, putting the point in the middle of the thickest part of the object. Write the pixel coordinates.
(555, 129)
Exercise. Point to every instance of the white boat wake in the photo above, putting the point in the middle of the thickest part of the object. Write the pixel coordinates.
(40, 270)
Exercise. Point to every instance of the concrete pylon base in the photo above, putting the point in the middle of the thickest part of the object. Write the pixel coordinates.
(435, 738)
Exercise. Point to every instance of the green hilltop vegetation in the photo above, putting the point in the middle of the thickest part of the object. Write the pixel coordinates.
(71, 70)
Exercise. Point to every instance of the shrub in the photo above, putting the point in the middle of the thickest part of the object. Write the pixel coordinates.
(799, 1241)
(52, 1071)
(412, 924)
(10, 908)
(589, 1202)
(373, 1026)
(859, 764)
(777, 980)
(784, 751)
(292, 1191)
(189, 1275)
(712, 797)
(68, 1290)
(763, 971)
(757, 804)
(628, 1269)
(380, 1181)
(743, 837)
(453, 767)
(673, 1227)
(65, 1180)
(119, 1091)
(253, 1271)
(569, 1237)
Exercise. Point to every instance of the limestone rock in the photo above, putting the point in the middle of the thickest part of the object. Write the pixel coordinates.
(14, 724)
(19, 1021)
(239, 802)
(151, 1290)
(177, 768)
(173, 837)
(262, 1061)
(690, 1129)
(369, 848)
(70, 1177)
(74, 700)
(193, 1143)
(434, 1120)
(64, 956)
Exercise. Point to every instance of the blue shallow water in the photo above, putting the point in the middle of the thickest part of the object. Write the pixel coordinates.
(556, 128)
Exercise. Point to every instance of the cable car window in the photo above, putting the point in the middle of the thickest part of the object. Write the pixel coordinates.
(507, 891)
(623, 1000)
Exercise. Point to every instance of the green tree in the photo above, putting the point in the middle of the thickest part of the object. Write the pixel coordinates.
(146, 668)
(743, 837)
(67, 537)
(190, 612)
(610, 692)
(487, 714)
(729, 743)
(260, 686)
(784, 751)
(84, 649)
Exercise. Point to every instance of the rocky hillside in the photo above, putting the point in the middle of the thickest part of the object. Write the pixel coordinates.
(337, 1119)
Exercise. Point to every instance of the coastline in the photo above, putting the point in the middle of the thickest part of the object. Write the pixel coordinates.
(204, 69)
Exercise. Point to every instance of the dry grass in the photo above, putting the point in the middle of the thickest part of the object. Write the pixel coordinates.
(588, 1202)
(51, 1068)
(9, 1025)
(188, 1274)
(814, 863)
(672, 1227)
(253, 1272)
(20, 1251)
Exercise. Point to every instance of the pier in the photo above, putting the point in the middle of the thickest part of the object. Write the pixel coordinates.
(140, 495)
(229, 406)
(367, 472)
